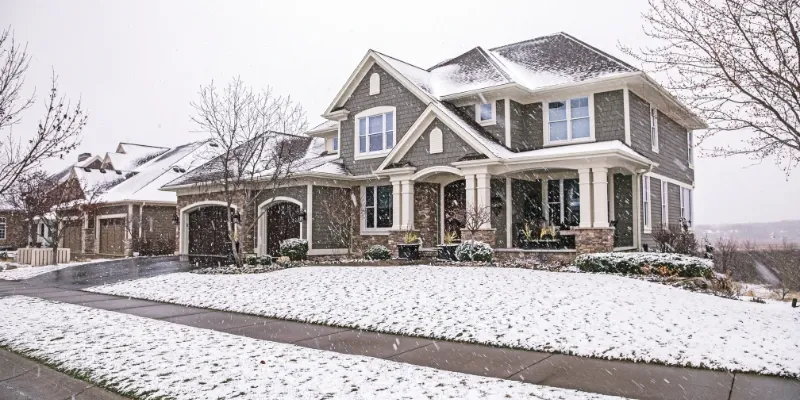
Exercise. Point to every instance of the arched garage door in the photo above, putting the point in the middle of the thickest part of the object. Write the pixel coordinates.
(208, 235)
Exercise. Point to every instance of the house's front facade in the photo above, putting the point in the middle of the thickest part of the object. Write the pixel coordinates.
(549, 132)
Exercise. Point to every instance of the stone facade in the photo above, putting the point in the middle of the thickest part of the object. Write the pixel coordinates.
(488, 236)
(426, 215)
(16, 234)
(594, 240)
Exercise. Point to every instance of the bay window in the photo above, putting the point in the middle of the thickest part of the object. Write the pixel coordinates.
(375, 132)
(564, 202)
(377, 207)
(568, 120)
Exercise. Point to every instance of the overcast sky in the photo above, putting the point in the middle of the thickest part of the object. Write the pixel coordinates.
(137, 64)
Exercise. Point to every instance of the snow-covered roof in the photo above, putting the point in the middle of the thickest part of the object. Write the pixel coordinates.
(324, 127)
(131, 161)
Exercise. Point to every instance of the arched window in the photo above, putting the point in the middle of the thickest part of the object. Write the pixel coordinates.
(374, 83)
(436, 141)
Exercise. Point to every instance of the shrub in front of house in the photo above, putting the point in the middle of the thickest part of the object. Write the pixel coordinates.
(264, 260)
(295, 249)
(664, 264)
(474, 250)
(377, 252)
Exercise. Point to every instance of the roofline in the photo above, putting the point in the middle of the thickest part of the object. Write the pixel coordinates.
(598, 51)
(702, 124)
(144, 145)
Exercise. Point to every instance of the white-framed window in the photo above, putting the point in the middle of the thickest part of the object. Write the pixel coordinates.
(2, 228)
(654, 128)
(436, 144)
(647, 214)
(568, 120)
(564, 202)
(335, 144)
(686, 205)
(486, 113)
(332, 144)
(374, 83)
(150, 223)
(665, 204)
(375, 132)
(378, 208)
(690, 149)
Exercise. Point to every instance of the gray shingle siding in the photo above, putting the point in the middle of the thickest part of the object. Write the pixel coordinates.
(674, 202)
(321, 223)
(497, 130)
(609, 116)
(409, 107)
(454, 148)
(673, 156)
(526, 126)
(623, 210)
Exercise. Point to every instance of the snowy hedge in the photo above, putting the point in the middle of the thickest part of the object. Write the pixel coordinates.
(295, 249)
(665, 264)
(377, 252)
(474, 250)
(265, 260)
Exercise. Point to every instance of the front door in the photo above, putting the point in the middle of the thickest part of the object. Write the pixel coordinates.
(455, 207)
(281, 224)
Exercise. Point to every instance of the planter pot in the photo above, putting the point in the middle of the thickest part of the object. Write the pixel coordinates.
(527, 244)
(408, 251)
(448, 252)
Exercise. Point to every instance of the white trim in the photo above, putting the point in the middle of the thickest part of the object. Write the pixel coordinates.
(339, 135)
(439, 169)
(653, 128)
(507, 115)
(488, 122)
(637, 209)
(626, 106)
(435, 141)
(612, 211)
(509, 212)
(690, 220)
(647, 195)
(374, 111)
(569, 140)
(374, 83)
(326, 252)
(664, 204)
(183, 223)
(309, 215)
(670, 180)
(263, 223)
(690, 147)
(363, 219)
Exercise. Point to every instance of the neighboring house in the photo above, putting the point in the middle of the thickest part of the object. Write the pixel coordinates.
(550, 129)
(12, 228)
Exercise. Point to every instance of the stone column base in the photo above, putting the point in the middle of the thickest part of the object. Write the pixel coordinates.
(488, 236)
(594, 240)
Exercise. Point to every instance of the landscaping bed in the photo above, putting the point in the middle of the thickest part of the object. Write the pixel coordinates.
(595, 315)
(663, 264)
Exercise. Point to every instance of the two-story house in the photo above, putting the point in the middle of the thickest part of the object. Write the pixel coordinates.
(550, 129)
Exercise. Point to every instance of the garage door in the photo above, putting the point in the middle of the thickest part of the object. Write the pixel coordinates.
(72, 238)
(112, 236)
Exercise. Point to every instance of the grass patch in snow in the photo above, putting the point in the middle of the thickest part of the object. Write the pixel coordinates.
(131, 355)
(594, 315)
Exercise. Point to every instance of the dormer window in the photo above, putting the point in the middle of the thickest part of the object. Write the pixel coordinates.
(375, 132)
(335, 144)
(485, 113)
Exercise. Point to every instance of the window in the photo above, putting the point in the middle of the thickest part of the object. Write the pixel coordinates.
(150, 221)
(377, 207)
(654, 128)
(564, 202)
(374, 83)
(375, 132)
(646, 211)
(436, 145)
(686, 205)
(334, 144)
(2, 228)
(664, 204)
(568, 120)
(690, 150)
(485, 113)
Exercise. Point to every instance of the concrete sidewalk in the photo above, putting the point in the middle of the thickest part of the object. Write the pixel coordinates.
(619, 378)
(23, 379)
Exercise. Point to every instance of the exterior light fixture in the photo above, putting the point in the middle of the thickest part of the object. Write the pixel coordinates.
(237, 218)
(302, 216)
(175, 219)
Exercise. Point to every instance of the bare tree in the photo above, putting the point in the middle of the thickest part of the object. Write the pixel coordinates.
(342, 218)
(737, 63)
(726, 254)
(57, 133)
(258, 147)
(475, 218)
(782, 260)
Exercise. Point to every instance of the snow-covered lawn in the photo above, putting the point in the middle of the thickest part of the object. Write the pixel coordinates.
(584, 314)
(157, 359)
(23, 271)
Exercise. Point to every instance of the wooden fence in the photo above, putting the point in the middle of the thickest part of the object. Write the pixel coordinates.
(38, 256)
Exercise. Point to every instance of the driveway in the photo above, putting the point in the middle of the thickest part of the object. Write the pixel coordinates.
(83, 276)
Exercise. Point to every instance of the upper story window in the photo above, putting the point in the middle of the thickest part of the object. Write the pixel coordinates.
(568, 120)
(378, 207)
(690, 142)
(647, 214)
(654, 128)
(564, 202)
(375, 132)
(2, 228)
(486, 113)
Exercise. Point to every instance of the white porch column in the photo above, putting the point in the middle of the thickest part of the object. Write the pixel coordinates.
(484, 198)
(470, 189)
(396, 205)
(407, 200)
(584, 180)
(600, 200)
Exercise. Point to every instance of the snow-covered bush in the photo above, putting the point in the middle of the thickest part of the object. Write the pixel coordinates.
(664, 264)
(377, 252)
(474, 250)
(295, 249)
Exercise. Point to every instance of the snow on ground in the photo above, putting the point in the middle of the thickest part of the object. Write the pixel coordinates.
(24, 271)
(584, 314)
(155, 359)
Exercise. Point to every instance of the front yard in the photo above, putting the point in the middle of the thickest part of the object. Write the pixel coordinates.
(593, 315)
(153, 359)
(12, 271)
